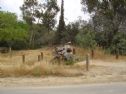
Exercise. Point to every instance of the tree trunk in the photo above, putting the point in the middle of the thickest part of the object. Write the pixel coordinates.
(31, 39)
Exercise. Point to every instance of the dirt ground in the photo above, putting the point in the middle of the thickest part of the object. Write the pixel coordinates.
(102, 72)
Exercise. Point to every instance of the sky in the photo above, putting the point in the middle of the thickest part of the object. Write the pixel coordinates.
(72, 9)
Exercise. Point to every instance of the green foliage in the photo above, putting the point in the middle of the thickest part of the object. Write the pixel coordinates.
(86, 39)
(61, 27)
(10, 28)
(115, 6)
(48, 17)
(72, 29)
(119, 44)
(91, 4)
(41, 19)
(28, 10)
(46, 13)
(70, 62)
(108, 21)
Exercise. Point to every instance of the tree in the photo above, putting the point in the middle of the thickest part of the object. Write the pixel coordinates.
(112, 10)
(86, 39)
(10, 30)
(46, 13)
(109, 15)
(61, 26)
(118, 46)
(50, 11)
(28, 11)
(72, 29)
(39, 16)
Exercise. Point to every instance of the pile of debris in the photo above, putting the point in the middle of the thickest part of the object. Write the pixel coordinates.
(65, 52)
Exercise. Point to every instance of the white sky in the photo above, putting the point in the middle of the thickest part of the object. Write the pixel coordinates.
(72, 9)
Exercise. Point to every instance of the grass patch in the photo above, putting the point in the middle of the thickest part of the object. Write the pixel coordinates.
(38, 70)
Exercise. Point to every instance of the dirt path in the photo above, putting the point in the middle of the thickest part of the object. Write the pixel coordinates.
(121, 64)
(106, 63)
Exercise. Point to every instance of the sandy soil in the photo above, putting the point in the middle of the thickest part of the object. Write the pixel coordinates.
(102, 72)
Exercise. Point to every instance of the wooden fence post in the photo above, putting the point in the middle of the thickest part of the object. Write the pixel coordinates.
(41, 55)
(23, 58)
(117, 54)
(87, 62)
(92, 53)
(39, 58)
(74, 51)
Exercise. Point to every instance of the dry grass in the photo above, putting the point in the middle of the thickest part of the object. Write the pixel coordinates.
(13, 67)
(99, 54)
(39, 69)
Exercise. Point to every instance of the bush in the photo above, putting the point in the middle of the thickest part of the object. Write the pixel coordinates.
(118, 45)
(86, 39)
(19, 45)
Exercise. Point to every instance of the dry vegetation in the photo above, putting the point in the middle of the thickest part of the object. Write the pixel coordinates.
(100, 54)
(39, 69)
(13, 66)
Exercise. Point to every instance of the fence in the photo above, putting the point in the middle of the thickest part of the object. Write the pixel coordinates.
(32, 58)
(23, 58)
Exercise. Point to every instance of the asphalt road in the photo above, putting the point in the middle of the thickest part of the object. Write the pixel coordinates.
(113, 88)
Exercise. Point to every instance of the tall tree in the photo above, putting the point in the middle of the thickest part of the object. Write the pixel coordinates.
(109, 15)
(107, 11)
(39, 15)
(28, 11)
(61, 26)
(49, 14)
